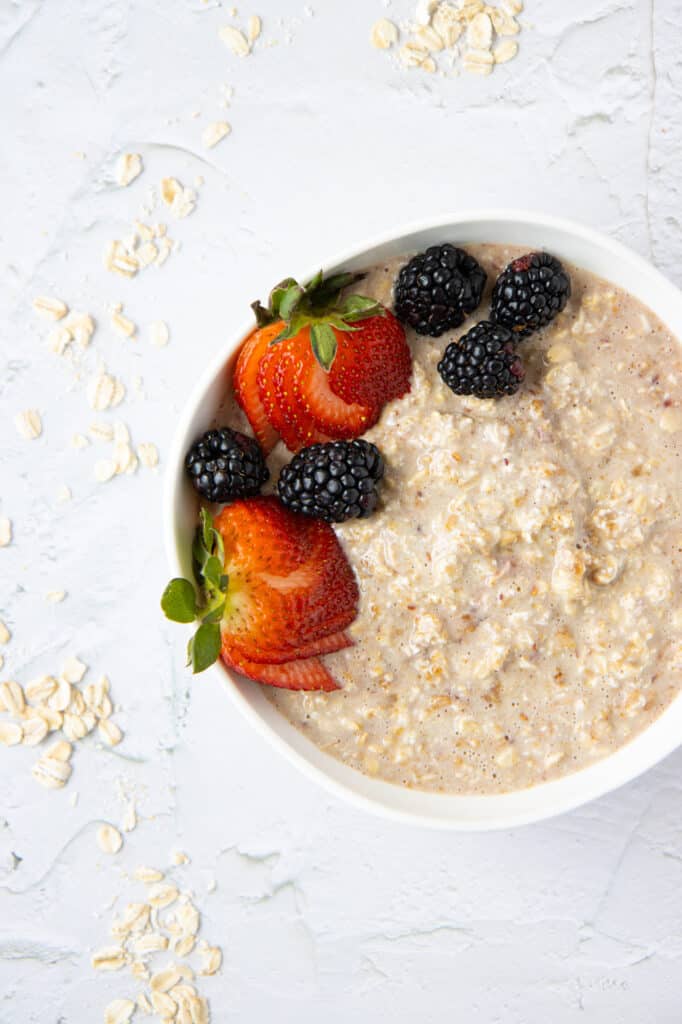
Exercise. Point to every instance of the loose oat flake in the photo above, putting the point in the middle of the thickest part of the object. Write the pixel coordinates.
(158, 333)
(29, 424)
(109, 839)
(73, 669)
(384, 34)
(52, 309)
(5, 532)
(11, 733)
(122, 325)
(128, 167)
(5, 634)
(119, 1011)
(148, 454)
(214, 132)
(235, 40)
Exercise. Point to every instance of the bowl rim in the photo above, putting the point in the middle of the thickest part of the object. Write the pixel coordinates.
(568, 793)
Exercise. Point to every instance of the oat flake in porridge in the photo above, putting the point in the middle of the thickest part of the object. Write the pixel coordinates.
(521, 604)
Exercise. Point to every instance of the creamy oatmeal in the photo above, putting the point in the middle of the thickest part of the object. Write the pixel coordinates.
(521, 608)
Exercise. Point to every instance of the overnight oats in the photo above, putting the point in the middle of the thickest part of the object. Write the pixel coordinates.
(441, 521)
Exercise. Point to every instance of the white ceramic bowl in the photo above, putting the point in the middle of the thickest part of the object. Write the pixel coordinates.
(569, 241)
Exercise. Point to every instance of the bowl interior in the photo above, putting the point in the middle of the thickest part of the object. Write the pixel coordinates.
(571, 242)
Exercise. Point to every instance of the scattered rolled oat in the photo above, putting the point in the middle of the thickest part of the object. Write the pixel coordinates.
(112, 735)
(101, 431)
(214, 132)
(254, 28)
(12, 698)
(109, 839)
(35, 730)
(212, 959)
(104, 391)
(104, 470)
(235, 40)
(478, 62)
(64, 494)
(5, 635)
(162, 894)
(11, 733)
(148, 875)
(51, 772)
(439, 24)
(110, 958)
(52, 309)
(118, 260)
(55, 596)
(29, 424)
(5, 532)
(79, 441)
(384, 34)
(81, 327)
(181, 200)
(158, 333)
(73, 669)
(123, 325)
(119, 1011)
(143, 935)
(128, 167)
(480, 32)
(507, 50)
(178, 857)
(148, 454)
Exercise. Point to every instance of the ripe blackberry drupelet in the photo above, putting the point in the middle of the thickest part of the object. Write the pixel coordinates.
(334, 481)
(529, 293)
(224, 464)
(438, 288)
(483, 363)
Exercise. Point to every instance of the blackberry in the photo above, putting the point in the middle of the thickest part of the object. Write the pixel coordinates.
(333, 481)
(483, 363)
(529, 293)
(438, 288)
(224, 464)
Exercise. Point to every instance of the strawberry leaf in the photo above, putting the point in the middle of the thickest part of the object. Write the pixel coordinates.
(213, 572)
(204, 647)
(277, 294)
(290, 301)
(315, 282)
(324, 344)
(179, 601)
(360, 307)
(215, 613)
(263, 315)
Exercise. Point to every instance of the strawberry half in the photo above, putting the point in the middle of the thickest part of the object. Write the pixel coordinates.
(330, 364)
(329, 413)
(273, 392)
(304, 674)
(373, 364)
(315, 649)
(245, 383)
(291, 590)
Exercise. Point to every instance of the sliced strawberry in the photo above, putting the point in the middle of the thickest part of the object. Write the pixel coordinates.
(271, 370)
(289, 397)
(290, 583)
(245, 383)
(328, 412)
(305, 674)
(373, 363)
(327, 645)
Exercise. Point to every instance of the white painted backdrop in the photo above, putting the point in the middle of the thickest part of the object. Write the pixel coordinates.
(323, 912)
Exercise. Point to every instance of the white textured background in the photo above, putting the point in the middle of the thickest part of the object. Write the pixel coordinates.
(323, 912)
